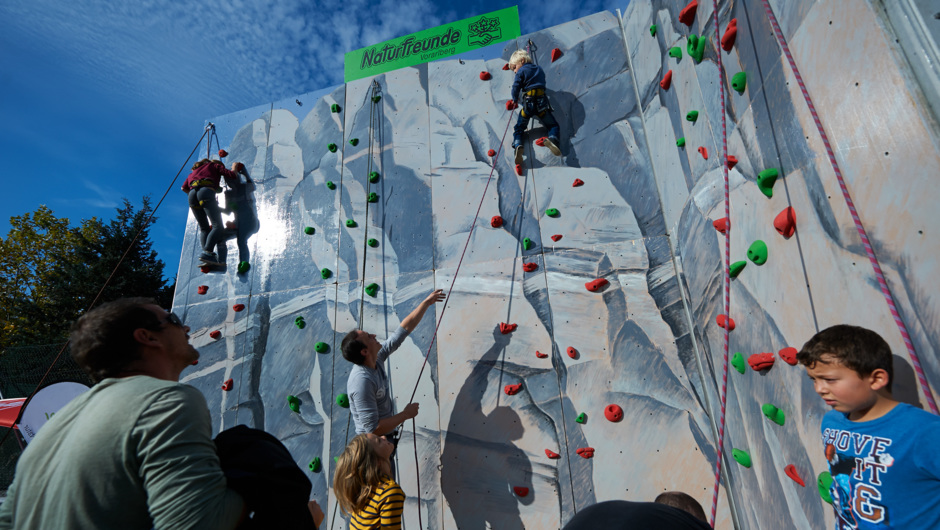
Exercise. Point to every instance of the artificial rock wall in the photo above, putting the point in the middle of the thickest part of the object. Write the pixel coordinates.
(642, 220)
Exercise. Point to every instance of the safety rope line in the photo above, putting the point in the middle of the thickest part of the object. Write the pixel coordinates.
(921, 377)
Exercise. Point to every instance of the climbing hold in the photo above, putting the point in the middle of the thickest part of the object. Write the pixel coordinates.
(238, 307)
(309, 230)
(556, 237)
(215, 334)
(195, 362)
(696, 48)
(227, 385)
(552, 212)
(300, 322)
(692, 116)
(723, 321)
(732, 160)
(223, 153)
(721, 225)
(791, 472)
(556, 54)
(736, 268)
(788, 355)
(577, 182)
(737, 361)
(824, 482)
(243, 267)
(294, 403)
(773, 413)
(325, 273)
(653, 30)
(521, 491)
(373, 197)
(540, 142)
(540, 355)
(757, 252)
(687, 15)
(596, 285)
(343, 401)
(512, 390)
(766, 179)
(330, 185)
(703, 151)
(731, 33)
(530, 267)
(354, 142)
(675, 52)
(785, 222)
(585, 452)
(491, 152)
(739, 82)
(742, 457)
(506, 328)
(552, 454)
(332, 148)
(321, 347)
(511, 105)
(205, 269)
(573, 353)
(582, 418)
(373, 242)
(374, 177)
(350, 223)
(202, 289)
(230, 225)
(680, 142)
(527, 243)
(372, 289)
(761, 361)
(314, 465)
(376, 99)
(334, 107)
(613, 412)
(519, 169)
(485, 76)
(496, 221)
(506, 66)
(667, 81)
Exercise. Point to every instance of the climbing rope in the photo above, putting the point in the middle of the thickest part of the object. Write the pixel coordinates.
(921, 377)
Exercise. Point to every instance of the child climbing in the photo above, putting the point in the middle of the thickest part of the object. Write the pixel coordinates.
(202, 185)
(529, 84)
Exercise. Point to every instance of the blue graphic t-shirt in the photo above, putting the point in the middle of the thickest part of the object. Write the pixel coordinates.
(886, 472)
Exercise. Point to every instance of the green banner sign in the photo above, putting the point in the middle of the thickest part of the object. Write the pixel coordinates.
(427, 45)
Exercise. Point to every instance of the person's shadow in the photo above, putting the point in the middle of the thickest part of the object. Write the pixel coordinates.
(240, 200)
(480, 464)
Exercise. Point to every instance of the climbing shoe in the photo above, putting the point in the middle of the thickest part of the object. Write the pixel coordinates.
(210, 258)
(519, 150)
(552, 145)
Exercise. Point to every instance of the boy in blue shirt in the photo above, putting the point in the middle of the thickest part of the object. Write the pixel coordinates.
(529, 84)
(881, 452)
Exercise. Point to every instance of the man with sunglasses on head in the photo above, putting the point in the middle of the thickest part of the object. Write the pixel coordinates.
(136, 450)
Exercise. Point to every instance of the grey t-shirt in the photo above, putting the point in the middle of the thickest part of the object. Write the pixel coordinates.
(369, 398)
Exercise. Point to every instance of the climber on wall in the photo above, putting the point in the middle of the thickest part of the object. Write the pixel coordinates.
(202, 185)
(529, 84)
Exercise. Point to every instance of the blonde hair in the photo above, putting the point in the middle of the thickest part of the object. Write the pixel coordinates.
(520, 57)
(201, 163)
(359, 471)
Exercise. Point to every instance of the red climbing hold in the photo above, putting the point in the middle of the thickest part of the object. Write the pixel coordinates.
(511, 105)
(202, 289)
(613, 412)
(791, 472)
(596, 285)
(687, 15)
(223, 153)
(667, 81)
(577, 182)
(761, 361)
(215, 334)
(506, 328)
(724, 320)
(721, 225)
(496, 221)
(205, 269)
(727, 40)
(519, 169)
(788, 355)
(226, 386)
(785, 222)
(556, 54)
(230, 225)
(529, 267)
(194, 363)
(491, 152)
(521, 491)
(485, 76)
(238, 307)
(540, 142)
(540, 355)
(556, 237)
(586, 452)
(704, 152)
(552, 454)
(732, 160)
(506, 66)
(512, 390)
(573, 353)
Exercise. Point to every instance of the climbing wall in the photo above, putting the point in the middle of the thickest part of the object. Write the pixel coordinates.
(364, 199)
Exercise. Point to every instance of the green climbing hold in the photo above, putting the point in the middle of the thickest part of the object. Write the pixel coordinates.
(315, 465)
(582, 418)
(373, 242)
(376, 99)
(680, 142)
(675, 52)
(321, 347)
(309, 230)
(736, 268)
(372, 289)
(335, 459)
(775, 414)
(374, 177)
(552, 212)
(334, 107)
(373, 197)
(354, 142)
(325, 273)
(329, 184)
(350, 223)
(243, 267)
(742, 457)
(343, 401)
(757, 252)
(653, 30)
(332, 148)
(692, 116)
(739, 82)
(824, 482)
(696, 47)
(294, 403)
(300, 323)
(766, 179)
(527, 243)
(738, 362)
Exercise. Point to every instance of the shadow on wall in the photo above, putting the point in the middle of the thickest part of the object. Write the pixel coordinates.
(570, 115)
(240, 200)
(904, 384)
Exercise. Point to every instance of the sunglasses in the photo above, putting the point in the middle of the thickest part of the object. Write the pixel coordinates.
(172, 319)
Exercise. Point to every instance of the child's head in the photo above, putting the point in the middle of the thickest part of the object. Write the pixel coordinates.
(519, 58)
(360, 469)
(849, 365)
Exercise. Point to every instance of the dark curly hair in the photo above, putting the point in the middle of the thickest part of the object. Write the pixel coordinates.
(352, 348)
(102, 341)
(857, 348)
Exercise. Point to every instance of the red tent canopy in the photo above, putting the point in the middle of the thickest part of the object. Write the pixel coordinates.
(10, 410)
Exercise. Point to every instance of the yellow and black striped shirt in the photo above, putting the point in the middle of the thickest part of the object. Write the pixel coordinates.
(384, 508)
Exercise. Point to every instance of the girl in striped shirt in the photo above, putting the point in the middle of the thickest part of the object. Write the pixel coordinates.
(363, 485)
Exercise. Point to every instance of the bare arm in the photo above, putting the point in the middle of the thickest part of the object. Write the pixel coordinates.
(387, 425)
(411, 321)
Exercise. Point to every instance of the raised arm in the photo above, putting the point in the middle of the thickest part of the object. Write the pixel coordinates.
(411, 321)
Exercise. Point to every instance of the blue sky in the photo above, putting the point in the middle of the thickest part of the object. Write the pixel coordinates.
(101, 100)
